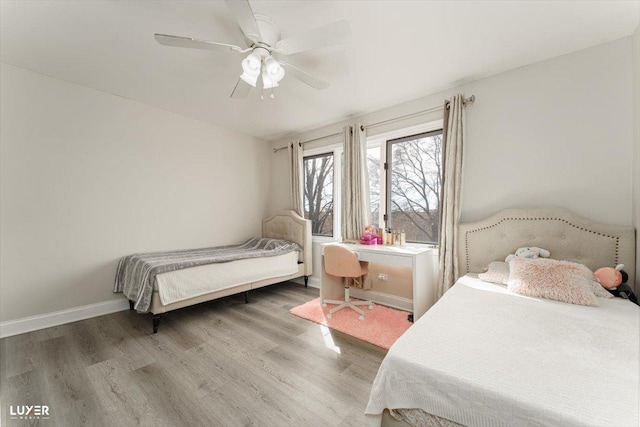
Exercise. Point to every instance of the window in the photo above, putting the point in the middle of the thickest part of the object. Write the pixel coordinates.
(318, 193)
(413, 186)
(404, 180)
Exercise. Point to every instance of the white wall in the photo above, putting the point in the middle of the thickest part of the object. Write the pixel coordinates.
(87, 177)
(559, 132)
(636, 147)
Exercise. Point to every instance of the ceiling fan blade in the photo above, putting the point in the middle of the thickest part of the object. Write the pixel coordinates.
(241, 11)
(241, 90)
(338, 32)
(305, 77)
(179, 41)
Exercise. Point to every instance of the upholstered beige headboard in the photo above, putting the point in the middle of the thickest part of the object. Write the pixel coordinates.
(566, 235)
(288, 225)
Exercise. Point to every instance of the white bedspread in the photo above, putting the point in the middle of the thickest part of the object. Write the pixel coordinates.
(483, 356)
(183, 284)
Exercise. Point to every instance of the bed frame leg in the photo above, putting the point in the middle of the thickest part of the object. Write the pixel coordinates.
(156, 323)
(130, 305)
(246, 297)
(306, 281)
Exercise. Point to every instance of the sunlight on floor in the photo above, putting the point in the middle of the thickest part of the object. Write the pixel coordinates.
(328, 339)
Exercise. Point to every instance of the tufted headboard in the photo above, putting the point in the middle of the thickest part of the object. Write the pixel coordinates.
(288, 225)
(566, 235)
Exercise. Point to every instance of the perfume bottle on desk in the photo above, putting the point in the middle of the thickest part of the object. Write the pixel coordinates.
(395, 237)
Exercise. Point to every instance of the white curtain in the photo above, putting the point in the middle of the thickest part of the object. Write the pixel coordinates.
(355, 183)
(452, 144)
(295, 177)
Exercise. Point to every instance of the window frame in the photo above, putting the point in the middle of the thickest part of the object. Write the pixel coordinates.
(336, 151)
(380, 140)
(388, 168)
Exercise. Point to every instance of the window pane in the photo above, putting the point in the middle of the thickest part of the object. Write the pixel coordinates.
(318, 193)
(373, 165)
(414, 192)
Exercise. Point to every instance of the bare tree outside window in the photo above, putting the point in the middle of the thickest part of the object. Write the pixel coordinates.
(318, 193)
(413, 186)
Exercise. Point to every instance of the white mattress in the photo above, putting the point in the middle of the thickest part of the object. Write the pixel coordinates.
(183, 284)
(483, 356)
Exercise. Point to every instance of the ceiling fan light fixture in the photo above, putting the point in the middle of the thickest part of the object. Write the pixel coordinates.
(252, 80)
(273, 69)
(251, 64)
(271, 64)
(251, 69)
(267, 82)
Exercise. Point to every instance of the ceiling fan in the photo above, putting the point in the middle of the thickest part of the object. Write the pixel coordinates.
(263, 38)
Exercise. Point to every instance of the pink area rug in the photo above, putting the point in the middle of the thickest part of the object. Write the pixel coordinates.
(382, 326)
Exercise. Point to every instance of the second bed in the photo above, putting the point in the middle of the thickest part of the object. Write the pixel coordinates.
(485, 356)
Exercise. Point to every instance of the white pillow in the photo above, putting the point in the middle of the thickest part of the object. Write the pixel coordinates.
(497, 272)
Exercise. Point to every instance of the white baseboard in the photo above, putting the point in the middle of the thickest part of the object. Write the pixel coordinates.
(42, 321)
(313, 281)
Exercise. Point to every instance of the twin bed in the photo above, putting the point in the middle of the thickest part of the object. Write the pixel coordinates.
(164, 281)
(485, 356)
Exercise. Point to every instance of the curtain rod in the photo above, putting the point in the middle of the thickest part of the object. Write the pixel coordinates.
(469, 100)
(275, 150)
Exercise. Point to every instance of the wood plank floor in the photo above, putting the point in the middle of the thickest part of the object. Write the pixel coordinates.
(223, 363)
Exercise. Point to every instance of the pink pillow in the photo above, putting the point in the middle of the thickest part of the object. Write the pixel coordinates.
(548, 278)
(584, 271)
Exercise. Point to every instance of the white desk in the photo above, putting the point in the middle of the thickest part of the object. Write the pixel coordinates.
(422, 261)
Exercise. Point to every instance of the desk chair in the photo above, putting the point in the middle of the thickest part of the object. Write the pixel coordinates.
(341, 262)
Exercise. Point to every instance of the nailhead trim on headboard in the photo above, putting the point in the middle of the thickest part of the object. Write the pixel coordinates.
(466, 240)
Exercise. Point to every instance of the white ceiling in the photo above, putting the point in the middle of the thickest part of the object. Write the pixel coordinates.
(401, 50)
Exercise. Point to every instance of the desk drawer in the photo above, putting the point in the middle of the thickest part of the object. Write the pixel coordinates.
(399, 260)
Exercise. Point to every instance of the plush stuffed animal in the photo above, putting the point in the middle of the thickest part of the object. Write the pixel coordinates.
(529, 252)
(610, 277)
(615, 281)
(371, 229)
